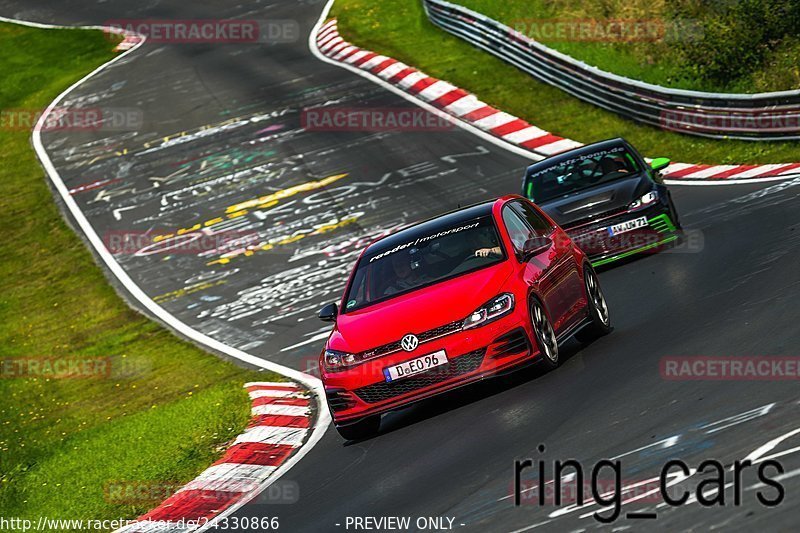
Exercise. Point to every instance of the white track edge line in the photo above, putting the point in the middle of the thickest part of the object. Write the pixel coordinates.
(323, 418)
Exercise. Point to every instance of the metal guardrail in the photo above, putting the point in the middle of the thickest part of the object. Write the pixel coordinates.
(755, 117)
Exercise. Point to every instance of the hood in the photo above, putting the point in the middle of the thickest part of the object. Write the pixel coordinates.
(582, 205)
(419, 310)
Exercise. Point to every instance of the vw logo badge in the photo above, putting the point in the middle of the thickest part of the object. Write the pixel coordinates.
(409, 343)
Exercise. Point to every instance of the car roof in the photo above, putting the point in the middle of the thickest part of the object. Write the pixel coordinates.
(569, 154)
(433, 225)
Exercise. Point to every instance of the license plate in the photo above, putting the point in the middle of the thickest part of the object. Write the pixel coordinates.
(415, 366)
(629, 225)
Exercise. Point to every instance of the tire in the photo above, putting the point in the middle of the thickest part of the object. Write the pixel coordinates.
(363, 429)
(544, 333)
(598, 308)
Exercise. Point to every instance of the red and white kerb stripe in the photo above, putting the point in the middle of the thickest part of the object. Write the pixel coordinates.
(127, 43)
(441, 94)
(280, 423)
(723, 172)
(468, 108)
(129, 39)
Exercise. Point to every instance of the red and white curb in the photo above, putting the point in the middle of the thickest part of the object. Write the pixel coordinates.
(467, 108)
(130, 40)
(280, 425)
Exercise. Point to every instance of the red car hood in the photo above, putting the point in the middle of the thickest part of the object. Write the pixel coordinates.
(418, 311)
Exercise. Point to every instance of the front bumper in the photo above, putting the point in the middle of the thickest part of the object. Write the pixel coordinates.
(602, 248)
(472, 355)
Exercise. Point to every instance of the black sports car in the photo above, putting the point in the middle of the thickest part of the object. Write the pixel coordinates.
(607, 197)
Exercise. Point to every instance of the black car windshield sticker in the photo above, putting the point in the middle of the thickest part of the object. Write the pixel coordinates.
(579, 159)
(423, 240)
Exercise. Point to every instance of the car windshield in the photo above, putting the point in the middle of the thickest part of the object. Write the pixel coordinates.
(551, 181)
(422, 258)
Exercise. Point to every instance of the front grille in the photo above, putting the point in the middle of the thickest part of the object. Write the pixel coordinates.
(441, 331)
(595, 218)
(593, 238)
(457, 366)
(592, 227)
(425, 336)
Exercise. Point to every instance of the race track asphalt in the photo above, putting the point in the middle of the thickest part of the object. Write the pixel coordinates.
(223, 126)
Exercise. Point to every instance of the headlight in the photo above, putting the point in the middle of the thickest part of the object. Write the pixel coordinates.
(647, 199)
(494, 308)
(338, 360)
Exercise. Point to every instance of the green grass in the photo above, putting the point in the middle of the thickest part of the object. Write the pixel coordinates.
(166, 409)
(400, 29)
(705, 47)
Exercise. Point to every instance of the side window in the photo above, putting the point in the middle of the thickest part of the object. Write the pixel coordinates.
(536, 221)
(358, 289)
(518, 230)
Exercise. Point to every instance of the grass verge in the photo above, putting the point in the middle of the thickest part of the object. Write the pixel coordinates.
(165, 408)
(400, 29)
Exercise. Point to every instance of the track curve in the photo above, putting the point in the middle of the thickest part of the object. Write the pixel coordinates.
(223, 134)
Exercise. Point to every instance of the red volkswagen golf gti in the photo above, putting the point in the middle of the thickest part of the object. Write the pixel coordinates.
(450, 301)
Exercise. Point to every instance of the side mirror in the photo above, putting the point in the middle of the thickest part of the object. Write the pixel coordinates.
(659, 163)
(535, 246)
(329, 313)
